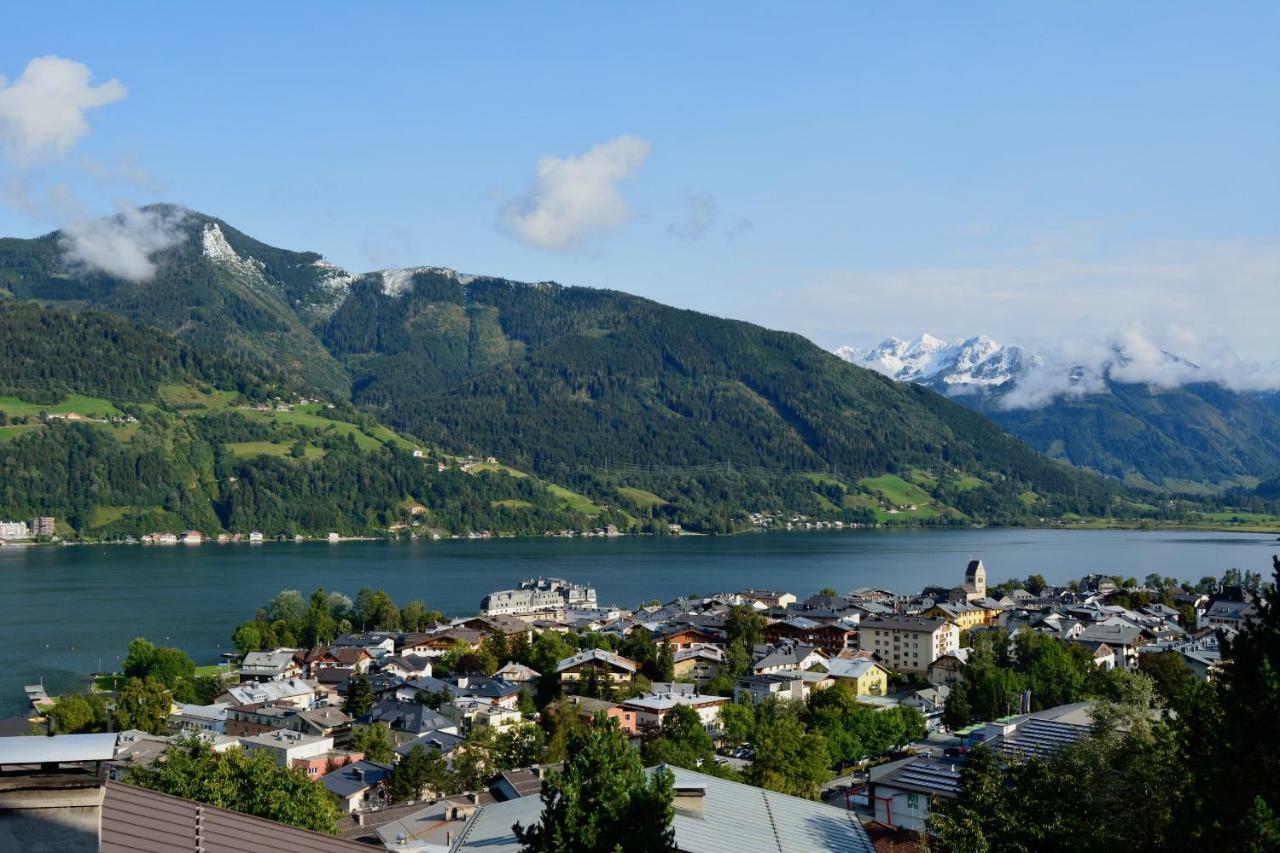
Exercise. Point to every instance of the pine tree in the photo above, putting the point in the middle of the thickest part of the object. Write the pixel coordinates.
(359, 696)
(603, 800)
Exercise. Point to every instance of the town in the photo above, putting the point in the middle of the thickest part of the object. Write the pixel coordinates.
(403, 729)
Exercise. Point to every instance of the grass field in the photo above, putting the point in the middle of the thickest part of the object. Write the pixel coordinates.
(511, 503)
(573, 500)
(966, 483)
(497, 467)
(895, 490)
(251, 449)
(641, 498)
(77, 404)
(9, 433)
(104, 515)
(187, 397)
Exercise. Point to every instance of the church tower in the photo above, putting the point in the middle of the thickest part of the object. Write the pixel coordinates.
(975, 579)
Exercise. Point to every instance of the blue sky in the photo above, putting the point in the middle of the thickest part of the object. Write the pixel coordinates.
(845, 170)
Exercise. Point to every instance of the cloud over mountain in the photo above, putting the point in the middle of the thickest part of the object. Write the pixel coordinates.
(575, 198)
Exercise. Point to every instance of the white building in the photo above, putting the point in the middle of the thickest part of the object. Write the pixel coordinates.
(14, 530)
(653, 708)
(538, 595)
(908, 643)
(288, 746)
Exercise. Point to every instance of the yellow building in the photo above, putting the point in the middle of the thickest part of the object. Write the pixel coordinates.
(963, 616)
(866, 677)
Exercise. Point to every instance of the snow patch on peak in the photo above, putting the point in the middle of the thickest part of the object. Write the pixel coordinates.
(398, 282)
(965, 365)
(217, 249)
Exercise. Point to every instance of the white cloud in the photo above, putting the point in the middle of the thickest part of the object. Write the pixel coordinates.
(575, 198)
(123, 245)
(699, 216)
(42, 113)
(1223, 290)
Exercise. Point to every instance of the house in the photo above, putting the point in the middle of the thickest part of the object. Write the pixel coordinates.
(199, 718)
(469, 714)
(929, 700)
(711, 815)
(908, 643)
(902, 793)
(407, 666)
(321, 722)
(1223, 613)
(606, 664)
(517, 673)
(832, 638)
(407, 720)
(767, 597)
(1104, 657)
(785, 687)
(947, 668)
(687, 636)
(288, 691)
(270, 666)
(586, 709)
(286, 746)
(651, 709)
(698, 663)
(866, 677)
(1122, 638)
(790, 657)
(359, 786)
(256, 718)
(437, 741)
(494, 690)
(965, 616)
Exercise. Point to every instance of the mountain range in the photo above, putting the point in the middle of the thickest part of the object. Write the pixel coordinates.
(1195, 436)
(598, 404)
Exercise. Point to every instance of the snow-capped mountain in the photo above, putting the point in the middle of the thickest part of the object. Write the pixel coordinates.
(965, 365)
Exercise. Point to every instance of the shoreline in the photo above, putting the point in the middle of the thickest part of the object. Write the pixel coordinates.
(1141, 526)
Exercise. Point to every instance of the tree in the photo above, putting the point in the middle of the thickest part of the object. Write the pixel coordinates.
(143, 704)
(421, 770)
(681, 742)
(375, 611)
(788, 759)
(79, 712)
(247, 638)
(664, 664)
(744, 629)
(415, 616)
(374, 741)
(166, 665)
(957, 713)
(1168, 672)
(1223, 728)
(242, 780)
(1036, 584)
(602, 800)
(358, 698)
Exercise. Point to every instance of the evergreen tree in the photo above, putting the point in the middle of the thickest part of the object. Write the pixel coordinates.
(358, 699)
(602, 801)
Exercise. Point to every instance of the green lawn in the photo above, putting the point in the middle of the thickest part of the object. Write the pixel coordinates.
(895, 489)
(187, 397)
(497, 467)
(251, 449)
(89, 407)
(641, 498)
(1239, 517)
(573, 500)
(967, 483)
(9, 433)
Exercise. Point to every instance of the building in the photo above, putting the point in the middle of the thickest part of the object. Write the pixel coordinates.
(790, 657)
(270, 666)
(866, 677)
(538, 595)
(606, 664)
(359, 786)
(902, 792)
(965, 615)
(783, 686)
(768, 598)
(711, 816)
(288, 747)
(586, 709)
(287, 691)
(832, 638)
(14, 531)
(653, 708)
(908, 643)
(946, 669)
(199, 718)
(699, 663)
(44, 526)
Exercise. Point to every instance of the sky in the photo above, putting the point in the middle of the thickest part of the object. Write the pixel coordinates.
(1047, 174)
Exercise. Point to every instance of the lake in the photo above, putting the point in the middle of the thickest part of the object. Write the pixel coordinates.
(72, 610)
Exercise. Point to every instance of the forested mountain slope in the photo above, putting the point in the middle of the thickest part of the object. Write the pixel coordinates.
(666, 415)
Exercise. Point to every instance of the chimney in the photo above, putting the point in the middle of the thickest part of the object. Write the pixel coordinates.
(475, 798)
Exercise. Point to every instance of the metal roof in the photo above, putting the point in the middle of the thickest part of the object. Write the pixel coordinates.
(135, 819)
(926, 775)
(726, 816)
(39, 749)
(1037, 738)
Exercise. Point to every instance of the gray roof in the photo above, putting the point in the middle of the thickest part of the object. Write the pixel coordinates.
(920, 773)
(904, 623)
(727, 816)
(355, 777)
(39, 749)
(1037, 738)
